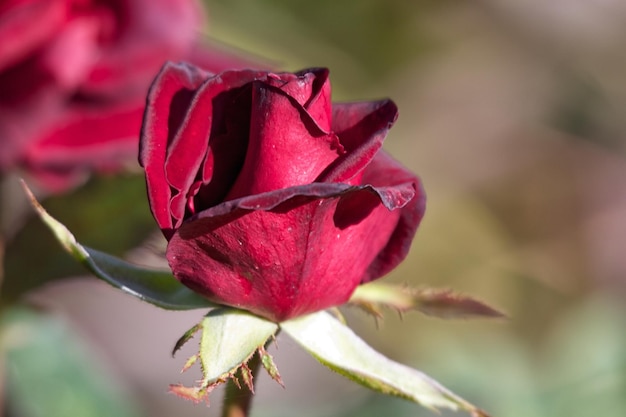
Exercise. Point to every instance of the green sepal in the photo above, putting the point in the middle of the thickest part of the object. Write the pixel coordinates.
(268, 363)
(339, 348)
(153, 286)
(441, 303)
(229, 338)
(185, 338)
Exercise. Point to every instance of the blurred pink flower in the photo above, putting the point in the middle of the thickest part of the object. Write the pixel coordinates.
(74, 75)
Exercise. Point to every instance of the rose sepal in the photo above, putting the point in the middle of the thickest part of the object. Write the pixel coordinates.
(441, 303)
(156, 287)
(336, 346)
(229, 339)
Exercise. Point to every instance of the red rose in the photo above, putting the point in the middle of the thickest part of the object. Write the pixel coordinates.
(74, 75)
(273, 199)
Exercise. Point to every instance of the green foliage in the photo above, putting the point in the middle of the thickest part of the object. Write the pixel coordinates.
(336, 346)
(153, 286)
(50, 372)
(229, 338)
(109, 212)
(438, 303)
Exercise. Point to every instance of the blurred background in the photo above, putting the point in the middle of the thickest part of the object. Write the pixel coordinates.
(511, 113)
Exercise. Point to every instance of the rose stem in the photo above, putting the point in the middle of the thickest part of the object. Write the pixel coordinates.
(237, 400)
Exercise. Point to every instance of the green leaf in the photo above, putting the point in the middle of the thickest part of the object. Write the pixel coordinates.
(229, 339)
(432, 302)
(153, 286)
(339, 348)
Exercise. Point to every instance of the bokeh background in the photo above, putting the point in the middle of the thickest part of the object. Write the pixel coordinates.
(513, 115)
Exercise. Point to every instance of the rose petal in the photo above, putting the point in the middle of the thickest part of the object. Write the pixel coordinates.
(146, 33)
(73, 141)
(301, 194)
(384, 169)
(168, 99)
(296, 86)
(286, 148)
(200, 135)
(19, 36)
(319, 104)
(58, 147)
(276, 254)
(311, 89)
(278, 263)
(71, 55)
(361, 128)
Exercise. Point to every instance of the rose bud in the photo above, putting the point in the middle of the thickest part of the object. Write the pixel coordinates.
(74, 76)
(272, 199)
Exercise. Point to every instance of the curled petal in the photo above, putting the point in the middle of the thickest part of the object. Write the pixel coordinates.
(361, 128)
(286, 147)
(275, 254)
(168, 98)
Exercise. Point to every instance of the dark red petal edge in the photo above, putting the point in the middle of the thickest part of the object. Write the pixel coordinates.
(154, 134)
(319, 105)
(392, 197)
(362, 128)
(189, 147)
(411, 215)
